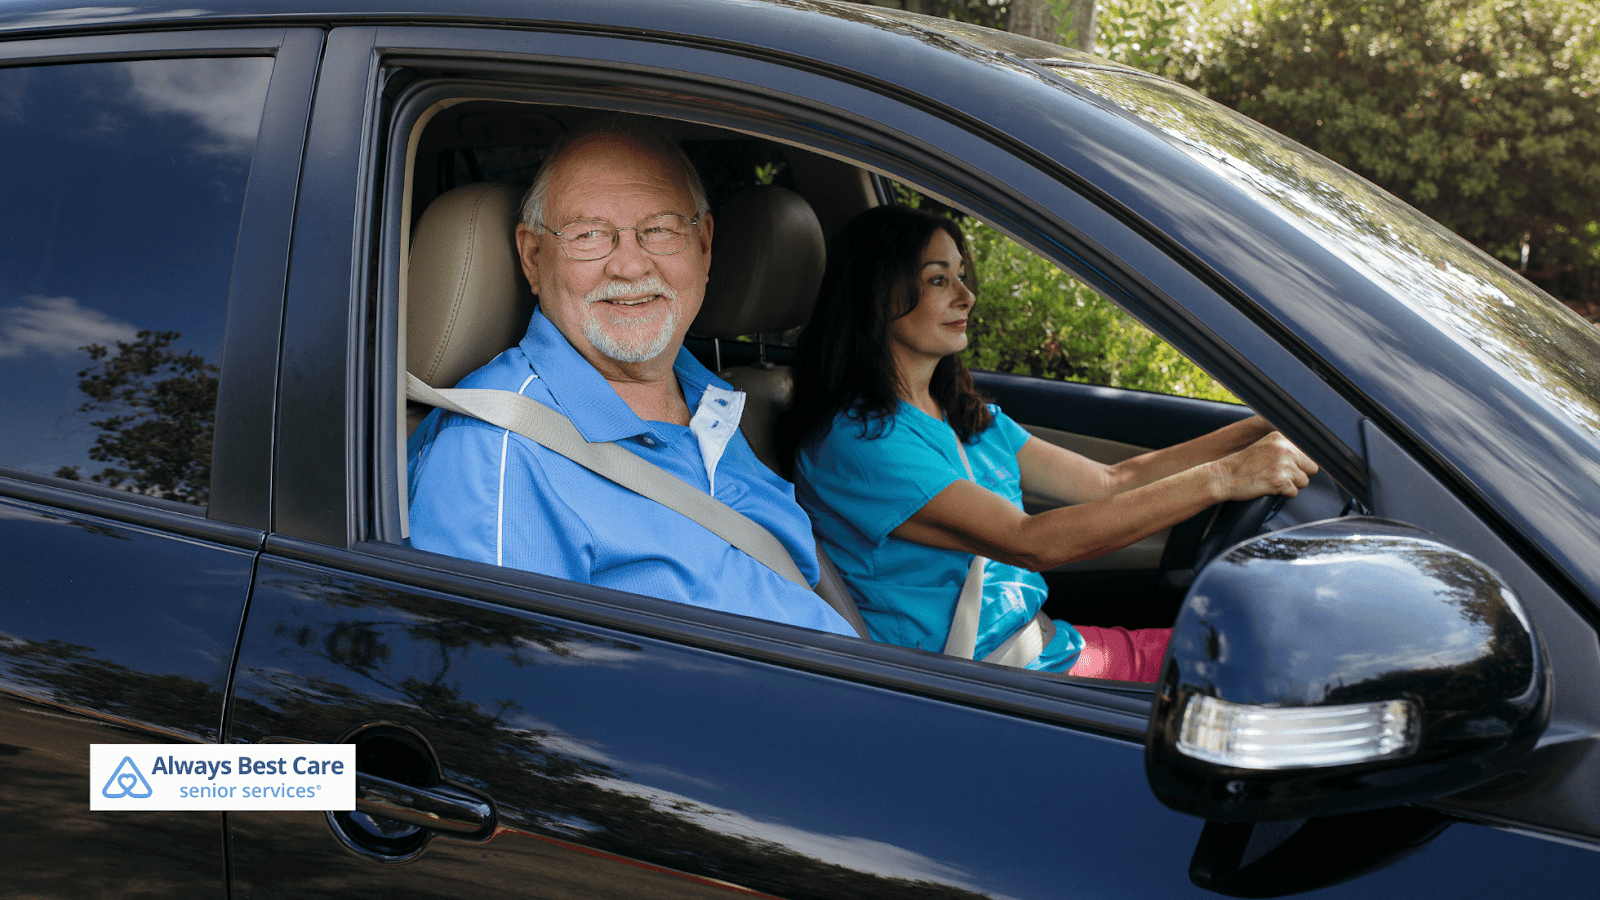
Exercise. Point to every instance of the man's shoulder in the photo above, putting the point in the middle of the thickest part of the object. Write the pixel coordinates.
(509, 371)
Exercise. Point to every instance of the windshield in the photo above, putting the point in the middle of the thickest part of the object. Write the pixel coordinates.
(1521, 330)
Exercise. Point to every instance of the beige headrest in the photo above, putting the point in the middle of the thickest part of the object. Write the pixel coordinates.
(467, 298)
(766, 264)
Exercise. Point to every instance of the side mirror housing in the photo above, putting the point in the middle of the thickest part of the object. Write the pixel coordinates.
(1338, 667)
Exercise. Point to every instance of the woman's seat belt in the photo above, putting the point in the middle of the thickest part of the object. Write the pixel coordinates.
(1023, 646)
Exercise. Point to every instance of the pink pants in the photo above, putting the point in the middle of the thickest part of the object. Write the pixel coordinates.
(1121, 655)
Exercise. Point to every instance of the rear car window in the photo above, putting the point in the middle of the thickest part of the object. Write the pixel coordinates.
(123, 197)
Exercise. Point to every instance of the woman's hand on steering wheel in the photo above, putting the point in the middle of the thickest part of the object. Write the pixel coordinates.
(1258, 480)
(1271, 465)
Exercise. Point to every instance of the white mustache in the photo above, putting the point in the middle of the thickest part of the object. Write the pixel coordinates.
(612, 290)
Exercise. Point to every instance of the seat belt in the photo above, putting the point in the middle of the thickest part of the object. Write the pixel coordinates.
(1023, 646)
(554, 431)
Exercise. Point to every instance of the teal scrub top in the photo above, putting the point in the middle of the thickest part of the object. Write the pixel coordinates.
(862, 480)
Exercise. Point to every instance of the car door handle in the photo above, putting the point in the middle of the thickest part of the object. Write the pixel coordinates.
(441, 808)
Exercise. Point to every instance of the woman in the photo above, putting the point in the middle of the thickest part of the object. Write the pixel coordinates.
(884, 423)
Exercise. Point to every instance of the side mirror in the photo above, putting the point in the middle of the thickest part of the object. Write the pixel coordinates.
(1339, 667)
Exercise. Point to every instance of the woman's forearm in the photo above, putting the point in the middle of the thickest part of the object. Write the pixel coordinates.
(972, 519)
(1148, 468)
(965, 516)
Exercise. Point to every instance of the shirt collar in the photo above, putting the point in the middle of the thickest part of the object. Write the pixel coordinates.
(584, 395)
(715, 422)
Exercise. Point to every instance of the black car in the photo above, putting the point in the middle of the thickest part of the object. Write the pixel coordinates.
(210, 290)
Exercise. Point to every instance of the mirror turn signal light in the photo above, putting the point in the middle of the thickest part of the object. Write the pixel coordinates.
(1265, 737)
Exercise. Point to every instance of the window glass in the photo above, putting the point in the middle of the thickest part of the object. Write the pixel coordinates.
(125, 182)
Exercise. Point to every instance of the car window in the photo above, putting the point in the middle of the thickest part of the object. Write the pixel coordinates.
(122, 215)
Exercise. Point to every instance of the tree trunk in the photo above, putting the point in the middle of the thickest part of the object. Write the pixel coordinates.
(1070, 22)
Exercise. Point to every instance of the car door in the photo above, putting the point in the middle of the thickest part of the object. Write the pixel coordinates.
(523, 734)
(141, 267)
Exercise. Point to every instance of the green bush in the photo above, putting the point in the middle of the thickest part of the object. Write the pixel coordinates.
(1031, 318)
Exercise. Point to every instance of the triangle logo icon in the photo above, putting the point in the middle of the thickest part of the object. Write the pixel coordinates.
(126, 782)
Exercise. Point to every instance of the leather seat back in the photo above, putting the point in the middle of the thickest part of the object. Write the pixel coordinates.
(467, 299)
(766, 264)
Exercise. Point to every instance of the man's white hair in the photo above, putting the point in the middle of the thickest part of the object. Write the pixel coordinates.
(629, 128)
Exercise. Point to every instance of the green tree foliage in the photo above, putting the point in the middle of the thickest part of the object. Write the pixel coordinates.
(1031, 318)
(162, 407)
(1067, 22)
(1141, 33)
(1484, 115)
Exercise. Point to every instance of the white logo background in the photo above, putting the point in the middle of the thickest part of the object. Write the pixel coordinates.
(222, 776)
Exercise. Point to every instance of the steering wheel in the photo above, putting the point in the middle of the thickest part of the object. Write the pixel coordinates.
(1235, 521)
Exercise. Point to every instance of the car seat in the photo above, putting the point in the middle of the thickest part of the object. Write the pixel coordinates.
(767, 257)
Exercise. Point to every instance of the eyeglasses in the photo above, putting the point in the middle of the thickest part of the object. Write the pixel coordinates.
(590, 239)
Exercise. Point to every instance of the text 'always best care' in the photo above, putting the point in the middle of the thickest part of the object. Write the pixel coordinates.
(247, 766)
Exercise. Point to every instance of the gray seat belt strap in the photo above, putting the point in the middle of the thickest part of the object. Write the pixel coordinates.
(1025, 644)
(1022, 647)
(552, 430)
(963, 638)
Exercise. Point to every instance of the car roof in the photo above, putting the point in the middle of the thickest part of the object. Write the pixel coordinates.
(686, 16)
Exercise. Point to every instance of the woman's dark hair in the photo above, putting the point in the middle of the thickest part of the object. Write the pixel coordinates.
(842, 362)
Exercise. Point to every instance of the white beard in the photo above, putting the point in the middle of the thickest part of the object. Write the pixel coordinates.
(640, 339)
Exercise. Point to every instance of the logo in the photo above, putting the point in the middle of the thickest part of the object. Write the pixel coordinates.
(177, 776)
(126, 781)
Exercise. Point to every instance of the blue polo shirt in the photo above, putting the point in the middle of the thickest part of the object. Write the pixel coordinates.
(482, 493)
(860, 485)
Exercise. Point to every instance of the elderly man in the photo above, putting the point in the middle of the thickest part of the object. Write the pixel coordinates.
(616, 240)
